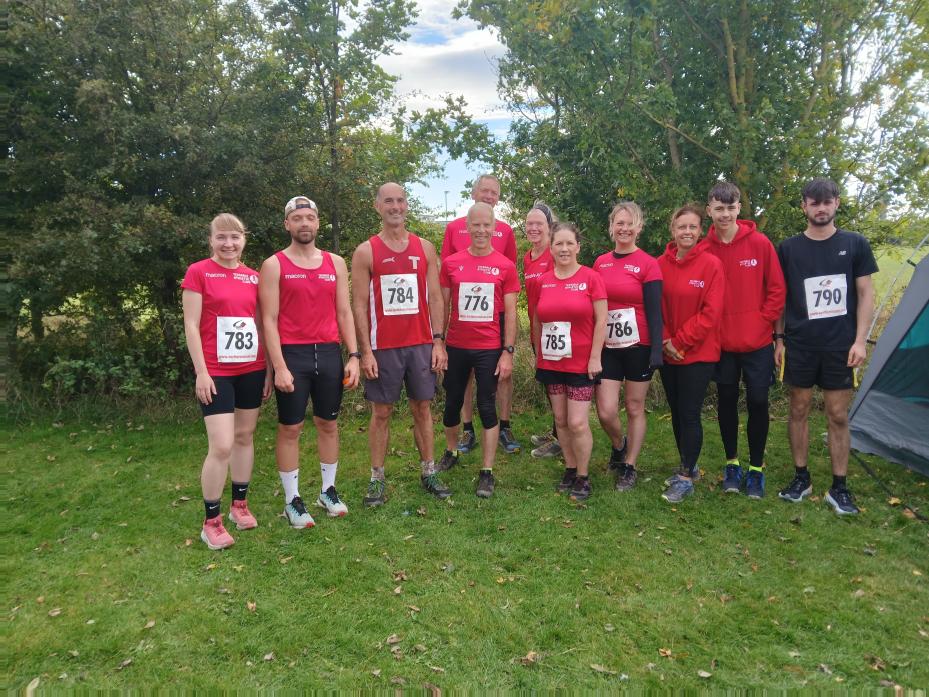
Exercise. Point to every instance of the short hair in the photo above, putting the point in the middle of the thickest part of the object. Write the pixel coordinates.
(820, 189)
(633, 209)
(570, 227)
(543, 207)
(697, 210)
(482, 177)
(479, 206)
(377, 196)
(227, 221)
(724, 192)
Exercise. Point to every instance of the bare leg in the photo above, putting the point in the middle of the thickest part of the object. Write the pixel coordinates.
(379, 434)
(582, 440)
(607, 396)
(327, 439)
(451, 437)
(242, 458)
(837, 402)
(505, 397)
(489, 446)
(798, 426)
(287, 448)
(423, 431)
(559, 404)
(220, 434)
(636, 421)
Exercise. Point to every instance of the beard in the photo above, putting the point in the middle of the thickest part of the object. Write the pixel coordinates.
(304, 237)
(821, 222)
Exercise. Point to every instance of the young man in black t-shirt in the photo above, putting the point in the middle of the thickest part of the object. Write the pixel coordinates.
(820, 339)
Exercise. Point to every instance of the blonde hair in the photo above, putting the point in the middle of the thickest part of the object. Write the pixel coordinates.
(227, 221)
(633, 209)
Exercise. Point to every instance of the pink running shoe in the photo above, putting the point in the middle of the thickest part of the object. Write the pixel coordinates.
(241, 516)
(215, 535)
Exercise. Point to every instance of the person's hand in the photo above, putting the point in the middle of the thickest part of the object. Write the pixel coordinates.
(594, 367)
(268, 386)
(504, 365)
(352, 373)
(205, 389)
(284, 380)
(670, 349)
(439, 357)
(369, 365)
(856, 354)
(778, 353)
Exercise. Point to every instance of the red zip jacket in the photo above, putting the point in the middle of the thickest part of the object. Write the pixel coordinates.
(755, 287)
(692, 303)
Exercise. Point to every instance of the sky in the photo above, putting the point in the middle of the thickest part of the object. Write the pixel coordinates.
(449, 56)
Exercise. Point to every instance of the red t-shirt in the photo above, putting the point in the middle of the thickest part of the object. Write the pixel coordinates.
(399, 307)
(307, 302)
(623, 279)
(565, 303)
(457, 238)
(532, 272)
(229, 319)
(477, 285)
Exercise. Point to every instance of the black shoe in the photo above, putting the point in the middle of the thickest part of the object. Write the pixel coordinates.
(626, 478)
(618, 459)
(581, 489)
(449, 460)
(841, 501)
(434, 486)
(508, 441)
(567, 481)
(485, 484)
(797, 490)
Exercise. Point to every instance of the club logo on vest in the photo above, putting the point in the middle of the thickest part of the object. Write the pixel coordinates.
(632, 268)
(696, 283)
(327, 277)
(415, 261)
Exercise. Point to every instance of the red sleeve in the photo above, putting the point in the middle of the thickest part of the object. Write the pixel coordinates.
(510, 252)
(445, 280)
(446, 242)
(707, 318)
(652, 271)
(511, 282)
(597, 287)
(775, 285)
(193, 279)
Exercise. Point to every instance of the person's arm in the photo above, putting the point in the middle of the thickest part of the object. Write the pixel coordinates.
(595, 365)
(269, 297)
(536, 331)
(510, 251)
(864, 287)
(436, 306)
(447, 299)
(193, 309)
(707, 317)
(779, 341)
(362, 261)
(343, 314)
(505, 362)
(651, 297)
(775, 287)
(268, 388)
(447, 241)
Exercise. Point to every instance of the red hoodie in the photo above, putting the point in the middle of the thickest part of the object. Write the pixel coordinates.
(755, 288)
(692, 303)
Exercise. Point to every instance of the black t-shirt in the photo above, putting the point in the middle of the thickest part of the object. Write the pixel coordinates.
(822, 300)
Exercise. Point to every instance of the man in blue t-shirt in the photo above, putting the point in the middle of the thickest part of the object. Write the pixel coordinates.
(820, 339)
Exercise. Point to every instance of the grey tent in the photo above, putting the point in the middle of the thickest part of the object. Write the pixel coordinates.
(890, 414)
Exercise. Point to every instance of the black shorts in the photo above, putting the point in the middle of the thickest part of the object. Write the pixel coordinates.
(828, 369)
(235, 392)
(556, 377)
(629, 363)
(318, 373)
(754, 368)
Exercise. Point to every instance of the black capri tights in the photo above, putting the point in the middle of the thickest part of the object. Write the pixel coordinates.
(685, 387)
(460, 364)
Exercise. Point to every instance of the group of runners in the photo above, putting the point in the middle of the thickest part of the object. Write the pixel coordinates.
(728, 308)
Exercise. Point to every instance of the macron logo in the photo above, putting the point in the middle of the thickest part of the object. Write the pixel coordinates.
(393, 259)
(294, 275)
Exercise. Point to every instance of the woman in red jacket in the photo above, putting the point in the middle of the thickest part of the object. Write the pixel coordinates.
(691, 302)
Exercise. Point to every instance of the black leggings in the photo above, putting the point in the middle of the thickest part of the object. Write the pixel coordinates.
(460, 364)
(756, 399)
(685, 387)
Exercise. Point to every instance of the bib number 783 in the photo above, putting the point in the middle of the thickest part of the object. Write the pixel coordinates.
(236, 339)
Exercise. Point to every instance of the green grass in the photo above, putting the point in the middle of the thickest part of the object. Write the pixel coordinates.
(756, 593)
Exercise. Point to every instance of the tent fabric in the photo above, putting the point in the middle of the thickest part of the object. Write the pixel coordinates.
(890, 414)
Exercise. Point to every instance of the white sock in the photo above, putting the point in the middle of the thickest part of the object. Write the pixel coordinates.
(328, 474)
(291, 483)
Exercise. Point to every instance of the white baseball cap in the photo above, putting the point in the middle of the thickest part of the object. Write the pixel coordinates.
(299, 202)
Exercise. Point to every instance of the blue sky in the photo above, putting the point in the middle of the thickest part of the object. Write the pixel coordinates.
(448, 56)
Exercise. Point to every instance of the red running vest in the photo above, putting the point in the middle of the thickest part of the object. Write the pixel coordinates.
(307, 313)
(398, 296)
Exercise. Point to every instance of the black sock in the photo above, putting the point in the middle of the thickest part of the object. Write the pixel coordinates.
(450, 453)
(618, 454)
(504, 424)
(802, 473)
(239, 491)
(468, 426)
(487, 469)
(582, 478)
(212, 508)
(838, 483)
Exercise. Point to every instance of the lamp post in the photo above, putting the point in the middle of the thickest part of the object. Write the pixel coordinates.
(446, 206)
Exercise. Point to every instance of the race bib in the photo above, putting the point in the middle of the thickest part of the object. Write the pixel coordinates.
(621, 328)
(236, 340)
(826, 296)
(476, 302)
(400, 294)
(556, 340)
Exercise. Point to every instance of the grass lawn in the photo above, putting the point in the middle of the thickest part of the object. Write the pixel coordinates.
(107, 584)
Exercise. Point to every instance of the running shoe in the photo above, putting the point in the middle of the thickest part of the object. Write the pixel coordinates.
(732, 479)
(241, 516)
(581, 489)
(215, 535)
(542, 438)
(467, 442)
(567, 481)
(617, 459)
(841, 501)
(508, 441)
(626, 477)
(329, 499)
(754, 483)
(550, 449)
(434, 486)
(694, 476)
(485, 484)
(449, 460)
(678, 490)
(297, 515)
(375, 494)
(797, 490)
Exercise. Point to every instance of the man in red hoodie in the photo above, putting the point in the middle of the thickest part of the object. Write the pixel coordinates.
(754, 300)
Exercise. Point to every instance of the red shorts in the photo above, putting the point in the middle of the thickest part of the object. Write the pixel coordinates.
(575, 394)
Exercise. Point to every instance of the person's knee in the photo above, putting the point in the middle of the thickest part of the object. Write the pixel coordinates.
(244, 437)
(837, 416)
(380, 413)
(328, 427)
(289, 432)
(420, 409)
(756, 398)
(578, 425)
(487, 410)
(221, 448)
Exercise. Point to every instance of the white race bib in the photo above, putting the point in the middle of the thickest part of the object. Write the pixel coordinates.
(826, 296)
(556, 340)
(400, 294)
(475, 302)
(621, 328)
(236, 339)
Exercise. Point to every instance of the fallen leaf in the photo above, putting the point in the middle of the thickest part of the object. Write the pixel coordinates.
(50, 458)
(609, 628)
(907, 513)
(251, 605)
(437, 669)
(858, 594)
(665, 652)
(823, 668)
(149, 624)
(393, 639)
(419, 648)
(530, 658)
(210, 566)
(269, 656)
(400, 575)
(376, 672)
(54, 612)
(397, 680)
(703, 674)
(793, 654)
(809, 589)
(894, 501)
(125, 664)
(602, 669)
(917, 572)
(408, 537)
(875, 662)
(413, 608)
(31, 687)
(40, 599)
(74, 653)
(188, 542)
(284, 560)
(398, 590)
(421, 511)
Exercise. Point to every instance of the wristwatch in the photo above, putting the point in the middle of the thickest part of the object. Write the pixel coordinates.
(509, 349)
(778, 335)
(355, 354)
(439, 335)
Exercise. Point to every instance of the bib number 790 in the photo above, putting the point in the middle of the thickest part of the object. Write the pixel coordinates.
(826, 296)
